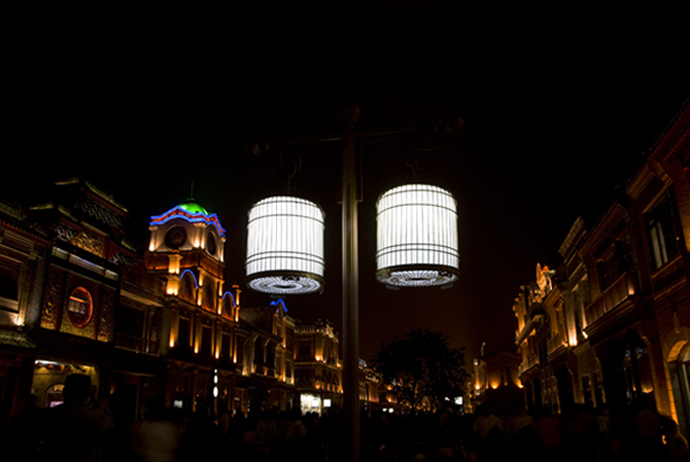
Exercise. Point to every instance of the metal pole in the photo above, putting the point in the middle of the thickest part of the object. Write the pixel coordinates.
(350, 289)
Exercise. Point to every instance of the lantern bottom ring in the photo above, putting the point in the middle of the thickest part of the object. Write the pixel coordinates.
(417, 276)
(286, 282)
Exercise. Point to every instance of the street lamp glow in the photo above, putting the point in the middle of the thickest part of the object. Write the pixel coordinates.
(417, 237)
(285, 246)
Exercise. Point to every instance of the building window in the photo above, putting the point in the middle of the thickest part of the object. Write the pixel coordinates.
(270, 355)
(663, 234)
(304, 348)
(79, 307)
(209, 300)
(183, 333)
(239, 358)
(9, 285)
(228, 308)
(258, 352)
(206, 339)
(616, 262)
(226, 350)
(130, 321)
(290, 340)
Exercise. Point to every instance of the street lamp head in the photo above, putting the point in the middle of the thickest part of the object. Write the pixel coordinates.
(417, 237)
(285, 246)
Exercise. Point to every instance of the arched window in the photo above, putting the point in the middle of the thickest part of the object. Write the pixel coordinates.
(188, 287)
(258, 352)
(228, 308)
(270, 355)
(680, 377)
(209, 299)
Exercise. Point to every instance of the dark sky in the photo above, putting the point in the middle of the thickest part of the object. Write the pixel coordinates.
(559, 103)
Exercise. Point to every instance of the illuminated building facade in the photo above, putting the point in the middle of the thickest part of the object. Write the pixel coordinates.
(370, 382)
(150, 327)
(219, 355)
(266, 353)
(199, 323)
(318, 371)
(23, 252)
(85, 286)
(318, 368)
(495, 377)
(613, 324)
(638, 321)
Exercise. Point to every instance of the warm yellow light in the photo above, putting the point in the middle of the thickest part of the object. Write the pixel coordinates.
(174, 263)
(173, 285)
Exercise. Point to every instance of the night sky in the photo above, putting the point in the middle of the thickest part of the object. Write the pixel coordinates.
(559, 104)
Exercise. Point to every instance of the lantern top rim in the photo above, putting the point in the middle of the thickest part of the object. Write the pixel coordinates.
(416, 186)
(287, 198)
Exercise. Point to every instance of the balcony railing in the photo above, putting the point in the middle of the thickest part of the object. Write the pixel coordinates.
(530, 363)
(138, 344)
(555, 342)
(616, 293)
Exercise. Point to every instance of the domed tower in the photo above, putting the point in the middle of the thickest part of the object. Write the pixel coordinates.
(187, 249)
(187, 239)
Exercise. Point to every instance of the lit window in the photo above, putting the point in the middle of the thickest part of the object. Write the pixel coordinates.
(9, 286)
(663, 234)
(80, 307)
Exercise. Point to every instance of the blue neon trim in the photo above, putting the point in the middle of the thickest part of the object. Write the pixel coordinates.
(193, 277)
(234, 302)
(179, 212)
(279, 302)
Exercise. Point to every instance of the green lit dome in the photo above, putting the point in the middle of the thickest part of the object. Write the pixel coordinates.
(192, 207)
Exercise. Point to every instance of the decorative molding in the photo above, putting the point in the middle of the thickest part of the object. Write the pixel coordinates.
(52, 300)
(90, 242)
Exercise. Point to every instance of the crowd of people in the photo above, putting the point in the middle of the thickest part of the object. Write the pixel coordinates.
(81, 429)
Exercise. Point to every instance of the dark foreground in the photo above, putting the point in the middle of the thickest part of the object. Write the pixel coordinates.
(584, 434)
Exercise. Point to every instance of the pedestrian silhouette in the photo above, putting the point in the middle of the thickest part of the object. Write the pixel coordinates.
(72, 430)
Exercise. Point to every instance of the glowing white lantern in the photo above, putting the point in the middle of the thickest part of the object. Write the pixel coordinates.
(285, 246)
(417, 237)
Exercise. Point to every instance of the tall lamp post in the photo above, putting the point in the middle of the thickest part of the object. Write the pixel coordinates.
(432, 259)
(350, 288)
